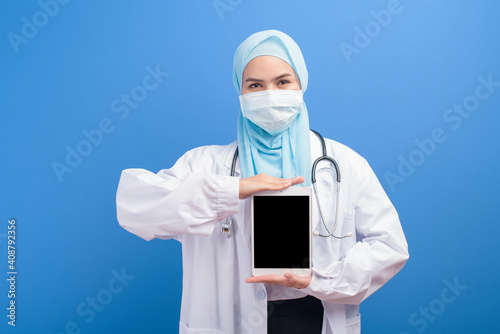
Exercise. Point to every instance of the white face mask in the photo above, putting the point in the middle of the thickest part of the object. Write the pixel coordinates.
(272, 110)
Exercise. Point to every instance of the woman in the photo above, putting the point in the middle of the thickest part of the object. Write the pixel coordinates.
(189, 201)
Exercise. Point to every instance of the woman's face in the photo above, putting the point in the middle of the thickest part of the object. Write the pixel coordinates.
(267, 73)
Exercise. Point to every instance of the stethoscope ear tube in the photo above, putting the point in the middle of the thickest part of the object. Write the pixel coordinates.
(228, 222)
(325, 157)
(313, 181)
(233, 164)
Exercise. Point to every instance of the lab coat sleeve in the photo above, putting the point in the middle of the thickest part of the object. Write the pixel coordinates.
(175, 201)
(380, 252)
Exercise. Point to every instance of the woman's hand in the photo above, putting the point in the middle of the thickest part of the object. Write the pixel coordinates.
(261, 182)
(288, 280)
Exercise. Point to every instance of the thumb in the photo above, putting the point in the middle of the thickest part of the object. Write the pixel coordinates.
(296, 281)
(293, 279)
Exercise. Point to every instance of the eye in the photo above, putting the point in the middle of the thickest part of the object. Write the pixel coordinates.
(254, 85)
(283, 82)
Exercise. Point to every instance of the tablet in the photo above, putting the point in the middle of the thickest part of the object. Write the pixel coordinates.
(281, 232)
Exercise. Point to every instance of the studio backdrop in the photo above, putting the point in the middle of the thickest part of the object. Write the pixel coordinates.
(89, 88)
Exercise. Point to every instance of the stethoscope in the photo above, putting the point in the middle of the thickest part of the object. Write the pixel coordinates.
(227, 223)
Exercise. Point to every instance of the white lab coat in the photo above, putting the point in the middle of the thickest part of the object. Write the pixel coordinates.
(189, 201)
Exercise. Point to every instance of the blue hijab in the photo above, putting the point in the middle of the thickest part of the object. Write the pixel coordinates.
(287, 154)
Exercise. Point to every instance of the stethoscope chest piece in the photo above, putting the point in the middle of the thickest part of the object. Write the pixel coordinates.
(226, 226)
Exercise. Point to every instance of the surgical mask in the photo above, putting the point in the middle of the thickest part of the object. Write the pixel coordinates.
(272, 110)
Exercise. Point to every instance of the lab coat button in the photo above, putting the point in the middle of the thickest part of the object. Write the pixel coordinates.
(260, 295)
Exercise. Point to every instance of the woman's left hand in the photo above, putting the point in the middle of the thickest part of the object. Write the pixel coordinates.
(289, 280)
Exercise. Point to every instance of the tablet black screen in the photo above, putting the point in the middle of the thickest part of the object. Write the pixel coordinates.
(281, 232)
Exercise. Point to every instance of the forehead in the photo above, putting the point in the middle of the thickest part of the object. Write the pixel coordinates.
(267, 66)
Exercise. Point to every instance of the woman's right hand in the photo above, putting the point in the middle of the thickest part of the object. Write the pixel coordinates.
(261, 182)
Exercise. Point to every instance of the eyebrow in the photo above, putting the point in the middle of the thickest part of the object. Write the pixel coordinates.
(277, 78)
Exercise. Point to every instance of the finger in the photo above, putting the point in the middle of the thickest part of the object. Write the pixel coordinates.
(293, 180)
(291, 277)
(265, 278)
(280, 184)
(297, 180)
(268, 279)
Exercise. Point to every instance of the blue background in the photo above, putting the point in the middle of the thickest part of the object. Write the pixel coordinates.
(396, 88)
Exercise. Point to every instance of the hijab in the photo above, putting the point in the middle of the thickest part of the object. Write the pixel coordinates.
(287, 154)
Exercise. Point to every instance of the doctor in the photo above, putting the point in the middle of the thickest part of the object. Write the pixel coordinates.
(189, 201)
